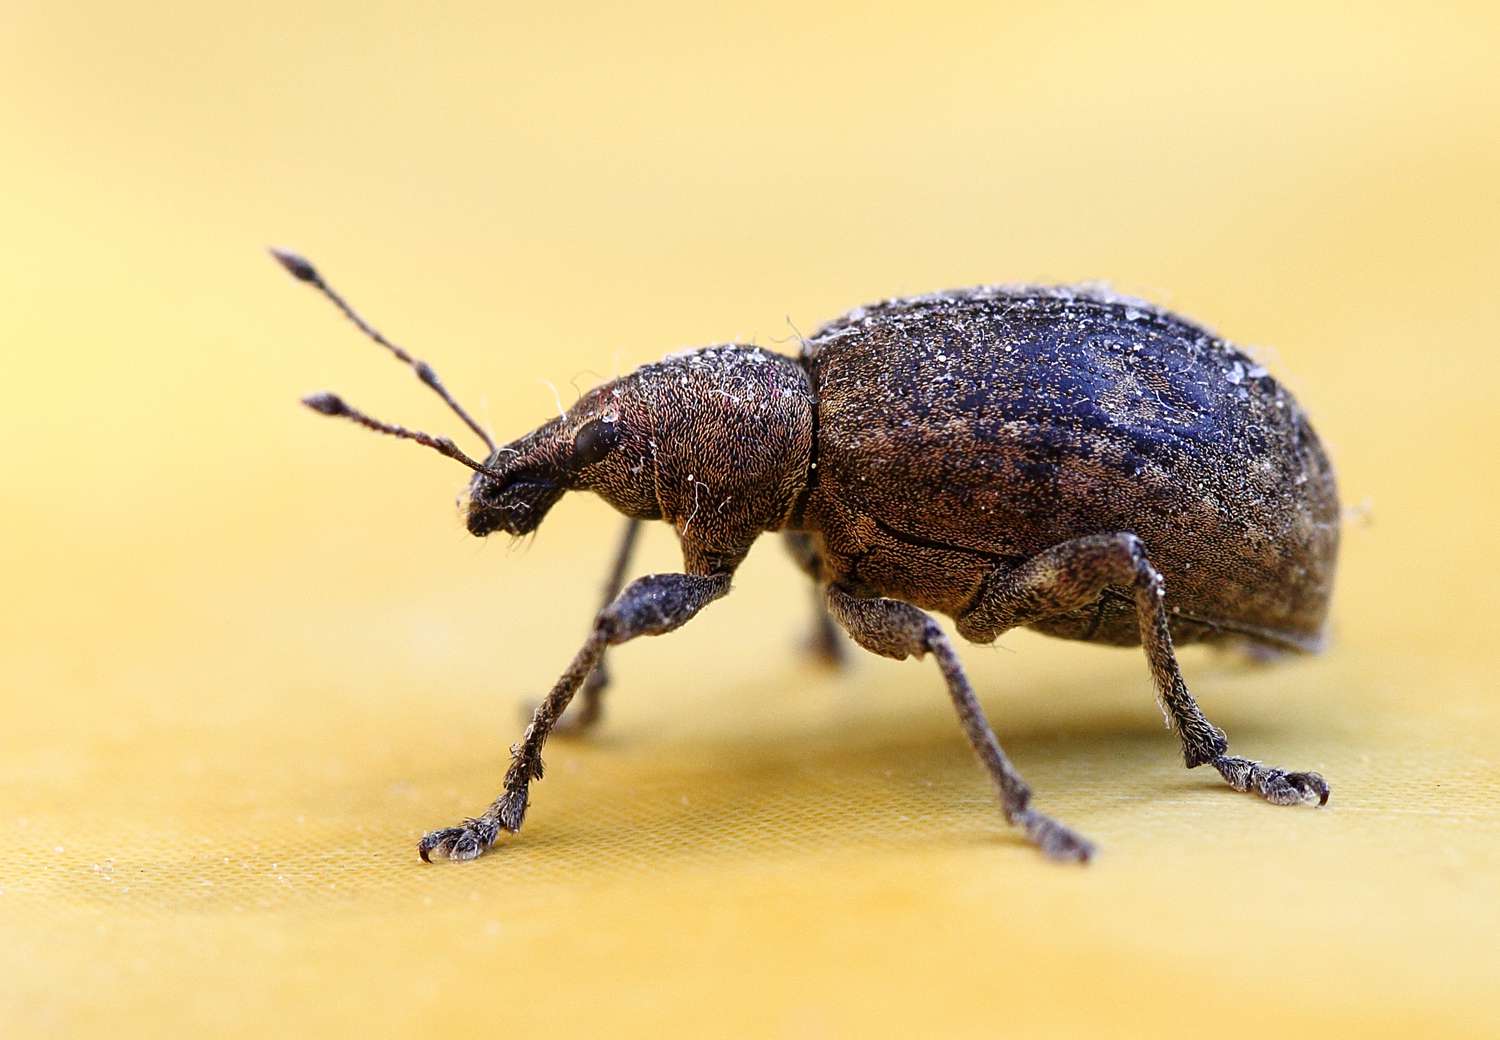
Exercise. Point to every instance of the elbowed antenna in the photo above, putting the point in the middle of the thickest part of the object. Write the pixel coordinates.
(333, 404)
(299, 268)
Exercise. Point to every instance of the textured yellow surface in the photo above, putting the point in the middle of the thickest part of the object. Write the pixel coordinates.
(250, 655)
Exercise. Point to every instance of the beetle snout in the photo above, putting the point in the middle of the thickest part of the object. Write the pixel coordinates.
(515, 507)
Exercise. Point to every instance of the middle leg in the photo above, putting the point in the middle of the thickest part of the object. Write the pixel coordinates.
(898, 630)
(824, 641)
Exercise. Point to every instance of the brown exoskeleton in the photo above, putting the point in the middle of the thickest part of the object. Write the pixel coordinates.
(1079, 463)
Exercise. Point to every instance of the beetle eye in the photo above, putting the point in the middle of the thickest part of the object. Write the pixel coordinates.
(594, 441)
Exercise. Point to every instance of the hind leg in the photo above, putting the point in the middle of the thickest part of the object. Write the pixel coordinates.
(1073, 575)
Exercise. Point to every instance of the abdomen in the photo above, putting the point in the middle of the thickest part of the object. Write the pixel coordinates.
(996, 423)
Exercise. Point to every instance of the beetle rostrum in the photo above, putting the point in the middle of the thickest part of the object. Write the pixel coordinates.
(1068, 460)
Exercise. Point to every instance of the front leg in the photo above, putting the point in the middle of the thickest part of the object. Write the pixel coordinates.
(651, 606)
(589, 711)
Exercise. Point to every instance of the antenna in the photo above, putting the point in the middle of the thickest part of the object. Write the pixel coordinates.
(333, 404)
(299, 268)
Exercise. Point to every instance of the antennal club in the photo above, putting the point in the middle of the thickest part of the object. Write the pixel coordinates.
(334, 405)
(299, 268)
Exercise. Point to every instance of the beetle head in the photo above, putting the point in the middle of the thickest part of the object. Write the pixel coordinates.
(515, 503)
(717, 440)
(600, 444)
(517, 484)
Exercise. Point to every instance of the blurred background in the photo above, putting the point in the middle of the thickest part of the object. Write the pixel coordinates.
(251, 655)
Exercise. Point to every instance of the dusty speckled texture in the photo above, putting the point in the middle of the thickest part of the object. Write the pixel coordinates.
(962, 433)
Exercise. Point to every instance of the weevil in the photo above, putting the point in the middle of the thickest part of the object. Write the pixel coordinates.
(1068, 460)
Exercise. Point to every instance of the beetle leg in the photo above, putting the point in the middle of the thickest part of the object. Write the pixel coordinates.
(583, 717)
(824, 642)
(898, 630)
(1074, 574)
(651, 606)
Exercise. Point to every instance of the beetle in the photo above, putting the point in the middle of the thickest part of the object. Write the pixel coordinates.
(1064, 459)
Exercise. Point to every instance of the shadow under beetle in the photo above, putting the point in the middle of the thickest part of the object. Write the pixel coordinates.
(1083, 464)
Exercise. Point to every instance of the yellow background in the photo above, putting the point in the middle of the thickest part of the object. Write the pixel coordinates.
(250, 655)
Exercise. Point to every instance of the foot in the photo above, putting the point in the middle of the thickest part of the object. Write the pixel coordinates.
(470, 839)
(1272, 784)
(466, 841)
(1056, 841)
